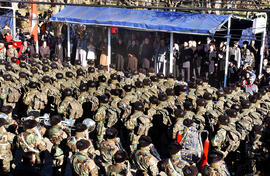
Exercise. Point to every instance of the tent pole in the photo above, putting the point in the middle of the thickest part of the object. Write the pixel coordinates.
(262, 49)
(68, 40)
(227, 51)
(109, 48)
(171, 53)
(14, 22)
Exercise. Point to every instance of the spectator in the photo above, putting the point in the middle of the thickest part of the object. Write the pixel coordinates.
(147, 54)
(161, 56)
(236, 52)
(221, 67)
(210, 61)
(8, 38)
(186, 56)
(81, 50)
(44, 50)
(250, 87)
(133, 56)
(59, 51)
(120, 55)
(104, 53)
(176, 60)
(91, 55)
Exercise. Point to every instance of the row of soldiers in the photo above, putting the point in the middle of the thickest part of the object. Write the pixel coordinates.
(115, 123)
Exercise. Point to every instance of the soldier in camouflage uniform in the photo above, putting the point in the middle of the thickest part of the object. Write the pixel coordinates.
(82, 164)
(178, 127)
(70, 107)
(35, 100)
(3, 50)
(121, 165)
(138, 120)
(145, 161)
(56, 135)
(175, 164)
(201, 110)
(85, 97)
(109, 147)
(11, 52)
(6, 142)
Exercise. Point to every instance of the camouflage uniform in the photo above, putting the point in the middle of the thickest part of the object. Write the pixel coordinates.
(71, 108)
(71, 142)
(107, 149)
(10, 94)
(3, 51)
(11, 52)
(119, 169)
(83, 165)
(174, 165)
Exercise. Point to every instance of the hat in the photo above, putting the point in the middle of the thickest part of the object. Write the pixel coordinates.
(69, 74)
(223, 120)
(215, 156)
(68, 92)
(115, 92)
(170, 92)
(102, 78)
(200, 102)
(83, 87)
(147, 82)
(190, 171)
(111, 133)
(174, 148)
(120, 156)
(91, 83)
(6, 109)
(22, 64)
(91, 70)
(139, 84)
(220, 93)
(245, 104)
(179, 113)
(139, 106)
(29, 124)
(236, 107)
(3, 122)
(80, 127)
(188, 105)
(54, 65)
(113, 76)
(207, 96)
(188, 122)
(80, 72)
(33, 85)
(22, 75)
(154, 78)
(231, 113)
(162, 96)
(127, 88)
(45, 68)
(82, 144)
(7, 77)
(59, 75)
(34, 70)
(153, 100)
(46, 79)
(55, 119)
(145, 141)
(103, 99)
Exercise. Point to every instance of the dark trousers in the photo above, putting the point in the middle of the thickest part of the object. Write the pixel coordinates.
(185, 74)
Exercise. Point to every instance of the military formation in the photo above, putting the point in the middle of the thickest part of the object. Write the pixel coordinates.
(129, 123)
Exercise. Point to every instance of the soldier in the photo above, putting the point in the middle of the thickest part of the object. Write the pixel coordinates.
(14, 64)
(80, 76)
(109, 147)
(175, 164)
(217, 165)
(11, 52)
(145, 162)
(201, 110)
(152, 110)
(171, 100)
(227, 139)
(188, 106)
(121, 165)
(82, 164)
(115, 95)
(31, 140)
(221, 102)
(209, 103)
(104, 113)
(91, 74)
(3, 50)
(181, 92)
(60, 82)
(85, 97)
(35, 100)
(70, 107)
(92, 87)
(170, 81)
(56, 135)
(138, 124)
(70, 83)
(6, 142)
(102, 85)
(178, 125)
(81, 133)
(10, 94)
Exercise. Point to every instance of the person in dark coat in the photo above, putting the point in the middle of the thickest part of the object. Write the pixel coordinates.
(133, 56)
(147, 54)
(120, 55)
(186, 57)
(59, 53)
(212, 54)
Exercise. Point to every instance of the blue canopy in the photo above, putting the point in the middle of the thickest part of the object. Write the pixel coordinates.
(6, 19)
(167, 21)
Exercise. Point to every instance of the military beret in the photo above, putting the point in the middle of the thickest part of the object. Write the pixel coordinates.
(80, 72)
(252, 98)
(111, 133)
(139, 106)
(90, 62)
(127, 88)
(245, 104)
(34, 114)
(82, 144)
(170, 75)
(33, 85)
(199, 81)
(174, 148)
(100, 67)
(45, 61)
(103, 99)
(263, 91)
(120, 156)
(258, 129)
(77, 62)
(6, 109)
(91, 83)
(154, 78)
(102, 78)
(153, 100)
(192, 85)
(65, 64)
(170, 92)
(80, 127)
(45, 68)
(160, 76)
(223, 120)
(128, 75)
(14, 59)
(113, 76)
(115, 92)
(36, 55)
(215, 156)
(34, 70)
(220, 93)
(207, 96)
(91, 70)
(59, 75)
(22, 75)
(7, 77)
(54, 65)
(236, 107)
(183, 88)
(46, 79)
(33, 63)
(190, 171)
(69, 74)
(178, 113)
(67, 59)
(188, 105)
(22, 64)
(188, 122)
(68, 92)
(258, 95)
(231, 113)
(162, 96)
(55, 119)
(145, 141)
(83, 87)
(2, 62)
(3, 122)
(201, 102)
(29, 124)
(8, 67)
(139, 84)
(147, 82)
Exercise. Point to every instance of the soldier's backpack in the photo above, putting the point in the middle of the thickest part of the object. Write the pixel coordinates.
(233, 139)
(75, 109)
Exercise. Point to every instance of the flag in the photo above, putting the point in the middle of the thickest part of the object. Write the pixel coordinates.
(34, 21)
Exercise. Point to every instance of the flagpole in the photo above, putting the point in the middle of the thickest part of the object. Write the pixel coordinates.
(37, 48)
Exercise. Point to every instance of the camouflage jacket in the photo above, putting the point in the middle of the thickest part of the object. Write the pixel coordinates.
(56, 134)
(119, 169)
(31, 142)
(6, 140)
(108, 148)
(174, 165)
(83, 165)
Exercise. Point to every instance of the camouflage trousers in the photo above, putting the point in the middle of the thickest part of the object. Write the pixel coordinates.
(6, 162)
